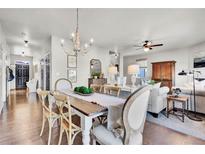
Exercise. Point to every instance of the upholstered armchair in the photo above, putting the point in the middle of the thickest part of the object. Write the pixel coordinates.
(32, 85)
(130, 124)
(157, 100)
(63, 84)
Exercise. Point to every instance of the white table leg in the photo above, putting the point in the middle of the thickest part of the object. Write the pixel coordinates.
(86, 124)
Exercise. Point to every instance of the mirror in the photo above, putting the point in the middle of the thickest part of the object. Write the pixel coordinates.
(95, 67)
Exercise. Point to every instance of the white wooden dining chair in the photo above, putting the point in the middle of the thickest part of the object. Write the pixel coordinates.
(131, 123)
(110, 90)
(63, 84)
(66, 124)
(48, 114)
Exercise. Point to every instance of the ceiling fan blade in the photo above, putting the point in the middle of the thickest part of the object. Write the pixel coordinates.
(156, 45)
(139, 48)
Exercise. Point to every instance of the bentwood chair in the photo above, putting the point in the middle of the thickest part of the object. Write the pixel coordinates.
(96, 87)
(66, 124)
(48, 113)
(63, 84)
(131, 124)
(112, 90)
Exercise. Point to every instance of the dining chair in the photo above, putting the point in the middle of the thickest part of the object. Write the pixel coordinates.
(112, 90)
(48, 113)
(131, 123)
(63, 84)
(66, 124)
(96, 88)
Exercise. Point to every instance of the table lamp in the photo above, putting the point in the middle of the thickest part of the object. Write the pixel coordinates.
(133, 70)
(112, 71)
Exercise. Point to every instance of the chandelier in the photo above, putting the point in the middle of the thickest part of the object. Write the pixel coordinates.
(75, 39)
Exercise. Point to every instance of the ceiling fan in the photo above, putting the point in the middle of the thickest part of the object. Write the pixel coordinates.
(147, 45)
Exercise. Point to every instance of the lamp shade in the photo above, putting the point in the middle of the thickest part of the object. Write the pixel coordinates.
(182, 73)
(112, 70)
(133, 69)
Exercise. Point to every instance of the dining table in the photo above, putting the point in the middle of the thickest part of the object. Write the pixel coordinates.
(89, 107)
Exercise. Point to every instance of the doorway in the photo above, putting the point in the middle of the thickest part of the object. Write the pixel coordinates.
(22, 75)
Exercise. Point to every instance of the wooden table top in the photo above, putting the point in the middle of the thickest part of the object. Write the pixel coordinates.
(179, 98)
(87, 108)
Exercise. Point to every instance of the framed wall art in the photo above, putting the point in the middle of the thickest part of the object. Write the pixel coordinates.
(72, 74)
(71, 61)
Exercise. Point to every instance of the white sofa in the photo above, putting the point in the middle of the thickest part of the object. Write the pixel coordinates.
(32, 85)
(187, 89)
(158, 99)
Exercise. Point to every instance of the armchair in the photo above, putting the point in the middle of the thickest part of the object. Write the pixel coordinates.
(157, 100)
(32, 85)
(131, 122)
(63, 84)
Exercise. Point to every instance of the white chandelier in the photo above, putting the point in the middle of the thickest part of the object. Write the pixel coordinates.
(75, 39)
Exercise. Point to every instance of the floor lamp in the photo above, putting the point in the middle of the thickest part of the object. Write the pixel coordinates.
(194, 116)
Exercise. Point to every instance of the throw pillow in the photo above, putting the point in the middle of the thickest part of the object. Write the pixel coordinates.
(157, 85)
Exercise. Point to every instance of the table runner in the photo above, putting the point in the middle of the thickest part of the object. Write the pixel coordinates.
(101, 99)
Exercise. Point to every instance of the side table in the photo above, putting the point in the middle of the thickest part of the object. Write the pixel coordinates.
(181, 99)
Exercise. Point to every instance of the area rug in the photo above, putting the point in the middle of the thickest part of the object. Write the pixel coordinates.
(189, 127)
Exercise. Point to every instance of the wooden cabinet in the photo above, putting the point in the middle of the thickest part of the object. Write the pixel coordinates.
(164, 72)
(156, 72)
(97, 81)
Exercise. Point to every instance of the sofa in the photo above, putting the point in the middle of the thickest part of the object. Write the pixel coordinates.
(187, 89)
(158, 99)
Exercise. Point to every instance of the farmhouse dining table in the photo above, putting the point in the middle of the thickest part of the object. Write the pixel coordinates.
(90, 107)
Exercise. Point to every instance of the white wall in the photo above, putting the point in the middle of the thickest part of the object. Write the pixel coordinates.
(183, 58)
(4, 61)
(59, 62)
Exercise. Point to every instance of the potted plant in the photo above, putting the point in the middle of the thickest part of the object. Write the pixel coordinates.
(95, 75)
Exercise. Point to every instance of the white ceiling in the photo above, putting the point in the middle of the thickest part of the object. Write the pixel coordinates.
(121, 28)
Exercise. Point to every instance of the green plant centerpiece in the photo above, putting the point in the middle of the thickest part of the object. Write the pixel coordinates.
(83, 90)
(151, 82)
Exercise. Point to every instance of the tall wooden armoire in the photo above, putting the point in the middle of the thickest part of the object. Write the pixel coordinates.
(164, 72)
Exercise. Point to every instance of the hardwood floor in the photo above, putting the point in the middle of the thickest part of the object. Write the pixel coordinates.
(20, 123)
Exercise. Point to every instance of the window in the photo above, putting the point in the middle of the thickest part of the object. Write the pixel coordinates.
(143, 68)
(142, 72)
